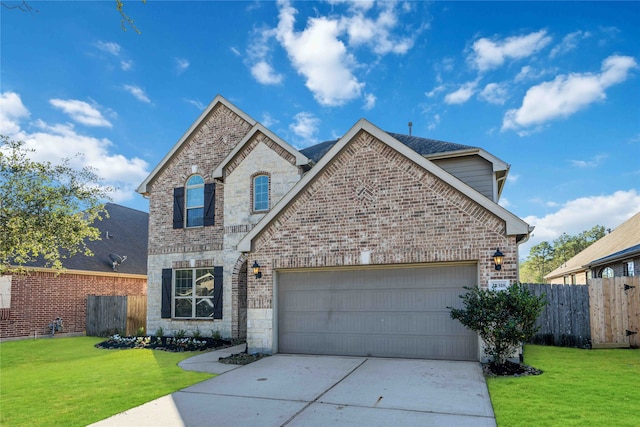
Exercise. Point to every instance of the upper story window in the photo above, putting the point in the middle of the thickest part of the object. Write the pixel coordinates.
(194, 204)
(607, 273)
(195, 201)
(261, 193)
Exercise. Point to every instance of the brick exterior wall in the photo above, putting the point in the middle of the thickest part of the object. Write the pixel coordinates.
(203, 151)
(38, 298)
(371, 198)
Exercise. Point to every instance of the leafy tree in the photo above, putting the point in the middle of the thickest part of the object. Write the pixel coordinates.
(503, 319)
(545, 257)
(46, 211)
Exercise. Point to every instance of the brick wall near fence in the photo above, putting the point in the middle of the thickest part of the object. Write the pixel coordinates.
(37, 299)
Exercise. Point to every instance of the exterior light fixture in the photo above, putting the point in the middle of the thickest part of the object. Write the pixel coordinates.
(498, 259)
(256, 269)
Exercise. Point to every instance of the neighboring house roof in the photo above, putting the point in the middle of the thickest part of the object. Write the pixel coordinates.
(631, 252)
(301, 159)
(626, 236)
(514, 225)
(124, 233)
(143, 188)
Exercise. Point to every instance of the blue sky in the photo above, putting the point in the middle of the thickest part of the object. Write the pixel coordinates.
(551, 88)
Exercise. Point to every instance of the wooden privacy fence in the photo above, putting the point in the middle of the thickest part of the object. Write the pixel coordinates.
(603, 314)
(564, 321)
(107, 315)
(615, 312)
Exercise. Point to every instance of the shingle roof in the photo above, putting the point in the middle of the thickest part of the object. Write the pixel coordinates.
(128, 233)
(624, 237)
(423, 146)
(628, 252)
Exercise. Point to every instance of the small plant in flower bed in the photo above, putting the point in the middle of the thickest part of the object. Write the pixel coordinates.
(164, 343)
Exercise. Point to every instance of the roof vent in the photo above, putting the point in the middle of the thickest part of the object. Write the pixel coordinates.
(410, 125)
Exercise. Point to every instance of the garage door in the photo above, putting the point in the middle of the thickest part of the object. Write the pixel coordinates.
(390, 312)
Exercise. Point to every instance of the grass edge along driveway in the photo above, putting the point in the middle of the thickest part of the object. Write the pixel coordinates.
(69, 382)
(578, 388)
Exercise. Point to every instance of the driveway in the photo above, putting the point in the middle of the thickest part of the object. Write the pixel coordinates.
(295, 390)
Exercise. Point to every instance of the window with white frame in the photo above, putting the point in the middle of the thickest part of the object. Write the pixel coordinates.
(607, 273)
(195, 201)
(628, 268)
(193, 295)
(261, 193)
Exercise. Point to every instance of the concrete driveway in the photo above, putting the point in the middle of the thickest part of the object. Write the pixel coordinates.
(295, 390)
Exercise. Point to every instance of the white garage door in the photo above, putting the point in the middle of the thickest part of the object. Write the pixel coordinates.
(390, 312)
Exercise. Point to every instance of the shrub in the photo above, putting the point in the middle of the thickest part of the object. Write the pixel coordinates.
(159, 332)
(503, 319)
(180, 333)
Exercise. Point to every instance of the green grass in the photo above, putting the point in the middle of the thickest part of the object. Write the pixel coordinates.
(578, 388)
(69, 382)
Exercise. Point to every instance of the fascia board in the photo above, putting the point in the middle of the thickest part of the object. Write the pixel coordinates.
(301, 159)
(219, 99)
(514, 224)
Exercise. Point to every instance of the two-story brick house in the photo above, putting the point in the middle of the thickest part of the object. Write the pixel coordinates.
(362, 242)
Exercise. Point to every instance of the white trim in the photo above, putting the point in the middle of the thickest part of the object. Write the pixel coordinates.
(301, 159)
(515, 226)
(144, 187)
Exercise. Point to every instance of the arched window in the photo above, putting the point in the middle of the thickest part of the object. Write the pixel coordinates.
(261, 193)
(195, 201)
(607, 273)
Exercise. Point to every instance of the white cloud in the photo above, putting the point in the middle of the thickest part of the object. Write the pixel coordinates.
(137, 92)
(369, 101)
(235, 51)
(495, 93)
(265, 74)
(462, 95)
(596, 161)
(504, 202)
(305, 127)
(198, 104)
(11, 111)
(53, 142)
(513, 178)
(268, 120)
(318, 54)
(109, 47)
(569, 43)
(81, 112)
(435, 121)
(126, 65)
(435, 91)
(377, 33)
(567, 94)
(181, 65)
(581, 214)
(489, 54)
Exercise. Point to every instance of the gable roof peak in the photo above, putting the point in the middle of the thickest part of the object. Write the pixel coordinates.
(218, 100)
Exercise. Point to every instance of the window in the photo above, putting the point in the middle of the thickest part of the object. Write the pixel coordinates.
(195, 201)
(192, 293)
(261, 193)
(607, 273)
(628, 268)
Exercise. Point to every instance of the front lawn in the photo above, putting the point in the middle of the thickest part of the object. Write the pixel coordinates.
(578, 388)
(69, 382)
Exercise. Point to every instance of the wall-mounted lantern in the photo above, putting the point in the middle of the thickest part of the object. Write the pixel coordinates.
(498, 259)
(256, 269)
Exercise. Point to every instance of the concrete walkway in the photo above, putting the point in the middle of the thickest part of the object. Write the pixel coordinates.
(296, 390)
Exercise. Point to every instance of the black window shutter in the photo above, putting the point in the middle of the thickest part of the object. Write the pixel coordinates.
(217, 292)
(209, 204)
(165, 308)
(178, 207)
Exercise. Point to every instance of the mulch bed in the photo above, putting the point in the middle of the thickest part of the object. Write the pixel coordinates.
(242, 358)
(510, 369)
(165, 343)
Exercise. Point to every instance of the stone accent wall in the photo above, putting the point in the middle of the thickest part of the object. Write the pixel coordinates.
(40, 297)
(372, 202)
